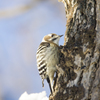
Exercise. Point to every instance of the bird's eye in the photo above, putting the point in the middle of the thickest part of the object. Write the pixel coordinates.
(52, 35)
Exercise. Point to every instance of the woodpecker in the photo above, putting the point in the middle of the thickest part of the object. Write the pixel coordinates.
(48, 57)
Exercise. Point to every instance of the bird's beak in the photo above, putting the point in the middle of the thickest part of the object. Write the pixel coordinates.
(60, 35)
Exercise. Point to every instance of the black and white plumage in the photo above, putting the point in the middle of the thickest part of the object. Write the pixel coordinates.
(48, 57)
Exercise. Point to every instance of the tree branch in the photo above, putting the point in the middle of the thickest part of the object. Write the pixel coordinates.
(80, 58)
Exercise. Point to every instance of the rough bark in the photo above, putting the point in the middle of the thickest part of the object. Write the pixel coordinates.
(79, 69)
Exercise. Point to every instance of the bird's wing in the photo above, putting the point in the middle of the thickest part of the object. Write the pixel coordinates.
(41, 61)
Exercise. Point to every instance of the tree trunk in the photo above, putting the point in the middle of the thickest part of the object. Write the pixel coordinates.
(79, 69)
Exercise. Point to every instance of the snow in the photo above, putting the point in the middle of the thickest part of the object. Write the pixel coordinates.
(34, 96)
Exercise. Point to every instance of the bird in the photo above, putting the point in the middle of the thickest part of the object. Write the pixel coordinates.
(48, 57)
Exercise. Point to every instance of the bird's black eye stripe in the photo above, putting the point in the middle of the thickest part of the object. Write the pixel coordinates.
(54, 39)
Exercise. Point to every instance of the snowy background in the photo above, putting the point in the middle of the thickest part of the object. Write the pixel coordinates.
(23, 24)
(34, 96)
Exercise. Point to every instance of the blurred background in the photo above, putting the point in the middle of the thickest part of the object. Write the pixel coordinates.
(23, 24)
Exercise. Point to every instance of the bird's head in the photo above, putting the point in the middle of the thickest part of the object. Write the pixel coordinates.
(52, 38)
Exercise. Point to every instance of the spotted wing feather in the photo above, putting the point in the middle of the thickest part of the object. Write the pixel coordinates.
(41, 60)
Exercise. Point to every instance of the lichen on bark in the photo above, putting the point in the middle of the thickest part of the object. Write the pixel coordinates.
(79, 78)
